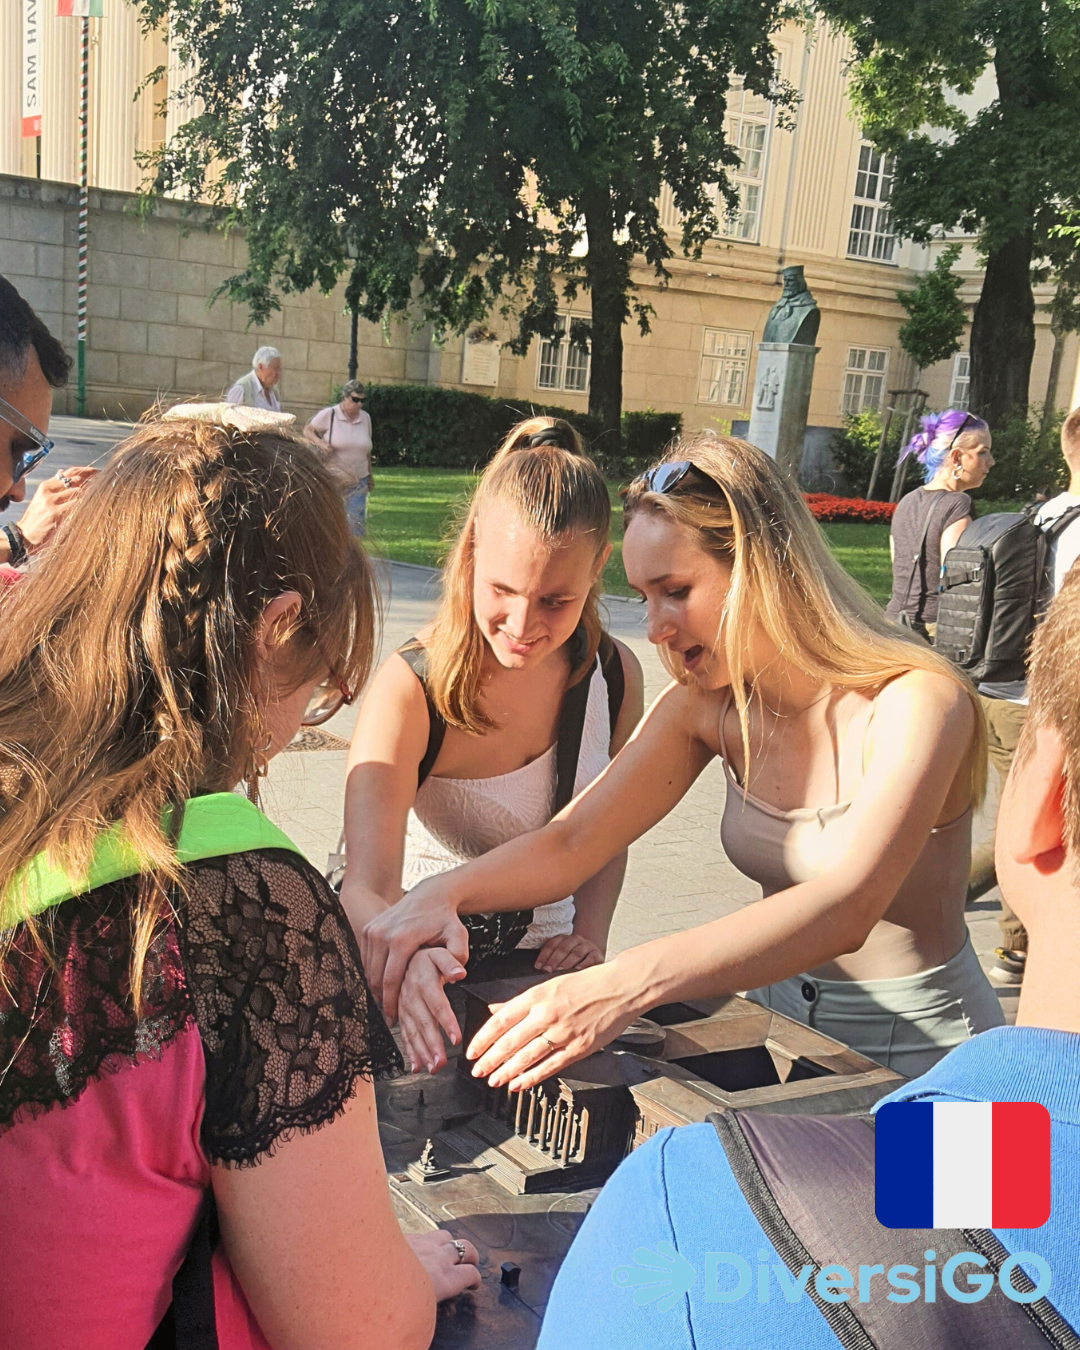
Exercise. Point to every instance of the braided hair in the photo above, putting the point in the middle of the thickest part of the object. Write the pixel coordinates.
(127, 656)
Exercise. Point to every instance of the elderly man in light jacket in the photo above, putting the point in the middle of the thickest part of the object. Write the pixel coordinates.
(256, 388)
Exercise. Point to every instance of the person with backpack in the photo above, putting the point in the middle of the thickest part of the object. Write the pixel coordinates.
(853, 755)
(484, 725)
(954, 450)
(793, 1196)
(189, 1153)
(996, 584)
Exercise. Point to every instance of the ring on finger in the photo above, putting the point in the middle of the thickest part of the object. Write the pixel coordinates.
(548, 1043)
(459, 1247)
(64, 479)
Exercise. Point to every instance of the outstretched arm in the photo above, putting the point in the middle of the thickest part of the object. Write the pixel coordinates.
(922, 738)
(640, 786)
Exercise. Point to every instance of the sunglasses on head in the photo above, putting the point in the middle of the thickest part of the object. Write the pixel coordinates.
(956, 434)
(667, 476)
(22, 461)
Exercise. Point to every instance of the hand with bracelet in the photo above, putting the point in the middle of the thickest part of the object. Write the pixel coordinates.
(43, 515)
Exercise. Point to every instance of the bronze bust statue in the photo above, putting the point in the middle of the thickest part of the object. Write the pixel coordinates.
(795, 317)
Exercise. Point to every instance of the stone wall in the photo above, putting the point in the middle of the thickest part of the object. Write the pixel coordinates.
(153, 332)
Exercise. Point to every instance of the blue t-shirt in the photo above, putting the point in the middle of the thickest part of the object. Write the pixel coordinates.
(679, 1190)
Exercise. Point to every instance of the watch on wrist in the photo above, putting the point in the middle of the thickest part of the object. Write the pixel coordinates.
(17, 550)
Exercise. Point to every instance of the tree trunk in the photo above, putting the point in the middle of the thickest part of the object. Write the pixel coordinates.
(1003, 334)
(608, 276)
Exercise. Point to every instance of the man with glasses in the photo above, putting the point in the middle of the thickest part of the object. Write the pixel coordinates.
(32, 364)
(342, 435)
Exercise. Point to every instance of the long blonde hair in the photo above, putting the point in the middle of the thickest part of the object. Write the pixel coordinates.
(126, 657)
(557, 490)
(785, 581)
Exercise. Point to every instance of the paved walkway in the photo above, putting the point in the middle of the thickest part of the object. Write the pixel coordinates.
(678, 875)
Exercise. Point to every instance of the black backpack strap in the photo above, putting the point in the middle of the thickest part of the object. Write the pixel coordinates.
(189, 1322)
(571, 726)
(1047, 535)
(614, 677)
(809, 1182)
(414, 655)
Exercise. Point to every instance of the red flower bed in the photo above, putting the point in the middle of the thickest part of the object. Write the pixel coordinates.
(825, 507)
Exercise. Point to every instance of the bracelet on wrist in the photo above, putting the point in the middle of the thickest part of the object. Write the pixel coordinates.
(17, 550)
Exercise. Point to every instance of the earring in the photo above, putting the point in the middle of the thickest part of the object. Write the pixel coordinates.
(257, 769)
(956, 473)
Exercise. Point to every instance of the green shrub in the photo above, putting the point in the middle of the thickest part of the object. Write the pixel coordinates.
(855, 446)
(1023, 464)
(427, 426)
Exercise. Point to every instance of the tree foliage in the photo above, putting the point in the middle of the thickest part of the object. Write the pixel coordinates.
(936, 314)
(452, 156)
(1006, 169)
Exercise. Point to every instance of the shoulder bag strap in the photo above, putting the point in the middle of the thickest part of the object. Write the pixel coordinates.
(330, 433)
(190, 1322)
(414, 655)
(614, 677)
(809, 1182)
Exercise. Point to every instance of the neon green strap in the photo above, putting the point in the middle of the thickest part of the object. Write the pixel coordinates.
(212, 827)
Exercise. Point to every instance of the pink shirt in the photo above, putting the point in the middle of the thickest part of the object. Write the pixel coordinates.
(100, 1201)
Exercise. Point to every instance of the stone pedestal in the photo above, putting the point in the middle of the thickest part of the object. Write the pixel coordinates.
(785, 372)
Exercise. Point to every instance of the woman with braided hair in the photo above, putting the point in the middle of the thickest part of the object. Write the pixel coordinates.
(488, 721)
(187, 1043)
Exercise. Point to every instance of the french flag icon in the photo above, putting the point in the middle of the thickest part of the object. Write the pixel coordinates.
(962, 1165)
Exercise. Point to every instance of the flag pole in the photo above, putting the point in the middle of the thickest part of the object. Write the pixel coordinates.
(84, 117)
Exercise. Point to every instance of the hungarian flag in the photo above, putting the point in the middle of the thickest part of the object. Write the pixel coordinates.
(80, 9)
(962, 1165)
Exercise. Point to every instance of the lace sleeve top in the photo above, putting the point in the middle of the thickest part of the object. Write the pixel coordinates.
(257, 1023)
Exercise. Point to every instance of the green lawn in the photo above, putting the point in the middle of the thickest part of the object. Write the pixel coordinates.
(412, 511)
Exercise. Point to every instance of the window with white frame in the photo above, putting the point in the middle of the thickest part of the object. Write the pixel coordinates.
(725, 363)
(871, 234)
(864, 378)
(961, 381)
(564, 363)
(747, 130)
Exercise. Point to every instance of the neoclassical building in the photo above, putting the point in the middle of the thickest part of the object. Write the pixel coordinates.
(816, 195)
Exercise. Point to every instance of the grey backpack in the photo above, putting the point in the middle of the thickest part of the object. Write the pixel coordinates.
(993, 592)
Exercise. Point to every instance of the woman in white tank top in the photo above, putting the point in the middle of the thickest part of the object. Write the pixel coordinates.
(459, 739)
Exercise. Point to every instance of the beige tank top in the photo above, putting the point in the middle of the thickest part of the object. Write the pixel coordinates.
(778, 849)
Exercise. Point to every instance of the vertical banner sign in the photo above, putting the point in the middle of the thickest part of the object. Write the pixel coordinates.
(31, 68)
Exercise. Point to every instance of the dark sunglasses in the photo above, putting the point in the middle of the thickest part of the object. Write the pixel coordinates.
(356, 398)
(22, 461)
(665, 477)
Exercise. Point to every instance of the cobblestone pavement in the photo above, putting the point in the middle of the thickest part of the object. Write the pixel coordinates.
(678, 875)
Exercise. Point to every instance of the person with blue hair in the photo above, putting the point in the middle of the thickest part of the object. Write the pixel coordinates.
(954, 449)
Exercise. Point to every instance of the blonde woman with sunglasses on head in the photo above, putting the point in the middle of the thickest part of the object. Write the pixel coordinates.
(853, 756)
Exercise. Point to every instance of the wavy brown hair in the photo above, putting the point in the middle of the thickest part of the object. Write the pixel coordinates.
(557, 490)
(126, 657)
(784, 580)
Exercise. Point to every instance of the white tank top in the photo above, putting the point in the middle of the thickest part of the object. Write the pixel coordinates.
(455, 819)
